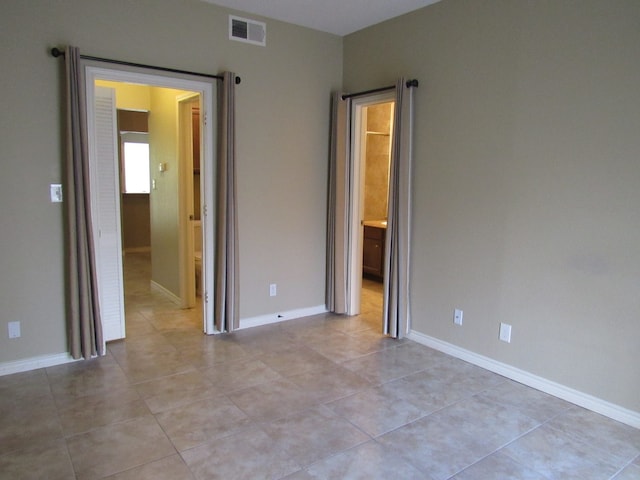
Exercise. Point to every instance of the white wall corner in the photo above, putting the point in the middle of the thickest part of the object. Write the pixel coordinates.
(595, 404)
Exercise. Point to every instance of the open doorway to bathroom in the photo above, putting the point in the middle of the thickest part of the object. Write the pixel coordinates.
(374, 123)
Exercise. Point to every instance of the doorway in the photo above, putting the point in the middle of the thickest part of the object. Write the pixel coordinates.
(167, 177)
(377, 123)
(372, 129)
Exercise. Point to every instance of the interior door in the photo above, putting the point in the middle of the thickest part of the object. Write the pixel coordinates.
(105, 208)
(189, 198)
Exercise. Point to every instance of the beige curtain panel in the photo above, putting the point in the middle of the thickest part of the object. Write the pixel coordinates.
(83, 309)
(227, 304)
(396, 268)
(338, 207)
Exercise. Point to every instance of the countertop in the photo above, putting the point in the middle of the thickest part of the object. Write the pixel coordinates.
(375, 223)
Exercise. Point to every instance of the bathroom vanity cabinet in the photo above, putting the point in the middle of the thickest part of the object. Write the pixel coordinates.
(373, 251)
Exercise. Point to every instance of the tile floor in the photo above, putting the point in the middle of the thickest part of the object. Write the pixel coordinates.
(320, 397)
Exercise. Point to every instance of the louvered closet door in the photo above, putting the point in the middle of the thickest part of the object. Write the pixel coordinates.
(105, 193)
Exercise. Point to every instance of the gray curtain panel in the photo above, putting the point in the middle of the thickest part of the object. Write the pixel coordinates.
(396, 273)
(84, 323)
(338, 207)
(227, 305)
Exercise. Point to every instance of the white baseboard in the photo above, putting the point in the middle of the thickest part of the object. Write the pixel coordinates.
(34, 363)
(577, 397)
(281, 317)
(172, 296)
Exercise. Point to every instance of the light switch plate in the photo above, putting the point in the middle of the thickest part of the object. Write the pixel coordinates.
(55, 190)
(457, 316)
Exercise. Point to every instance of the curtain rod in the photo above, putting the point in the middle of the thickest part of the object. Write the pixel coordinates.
(410, 83)
(56, 52)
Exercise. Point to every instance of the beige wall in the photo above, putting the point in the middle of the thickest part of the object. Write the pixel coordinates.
(525, 180)
(376, 176)
(163, 148)
(282, 121)
(129, 96)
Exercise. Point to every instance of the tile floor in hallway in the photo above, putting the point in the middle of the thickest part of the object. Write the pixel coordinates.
(320, 397)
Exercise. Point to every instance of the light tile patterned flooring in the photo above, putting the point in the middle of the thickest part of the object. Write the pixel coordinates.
(321, 397)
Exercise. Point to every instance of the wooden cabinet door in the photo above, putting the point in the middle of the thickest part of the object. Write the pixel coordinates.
(373, 251)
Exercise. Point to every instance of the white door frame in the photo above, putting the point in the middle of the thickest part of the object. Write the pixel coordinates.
(356, 201)
(95, 71)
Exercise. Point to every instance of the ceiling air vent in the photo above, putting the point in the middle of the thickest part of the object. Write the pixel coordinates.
(249, 31)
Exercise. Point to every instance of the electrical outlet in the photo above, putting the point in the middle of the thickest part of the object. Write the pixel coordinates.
(14, 329)
(457, 316)
(273, 290)
(505, 332)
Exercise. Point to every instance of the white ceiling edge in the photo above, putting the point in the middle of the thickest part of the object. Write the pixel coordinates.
(340, 17)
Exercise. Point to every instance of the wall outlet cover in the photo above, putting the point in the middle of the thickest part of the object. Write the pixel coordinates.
(505, 332)
(14, 329)
(457, 316)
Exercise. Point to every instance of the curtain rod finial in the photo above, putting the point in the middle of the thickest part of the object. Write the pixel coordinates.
(56, 52)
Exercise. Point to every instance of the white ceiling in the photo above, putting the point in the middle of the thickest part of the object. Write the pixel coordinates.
(339, 17)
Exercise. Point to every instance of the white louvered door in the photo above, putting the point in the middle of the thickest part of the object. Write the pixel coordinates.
(105, 203)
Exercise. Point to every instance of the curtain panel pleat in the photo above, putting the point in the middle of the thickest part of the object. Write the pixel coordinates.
(338, 207)
(84, 326)
(226, 301)
(397, 249)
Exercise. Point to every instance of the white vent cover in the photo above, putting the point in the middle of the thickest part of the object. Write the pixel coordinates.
(249, 31)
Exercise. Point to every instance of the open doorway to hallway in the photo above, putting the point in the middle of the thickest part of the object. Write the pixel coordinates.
(167, 261)
(160, 194)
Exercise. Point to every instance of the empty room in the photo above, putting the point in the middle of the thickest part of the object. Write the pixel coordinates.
(380, 240)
